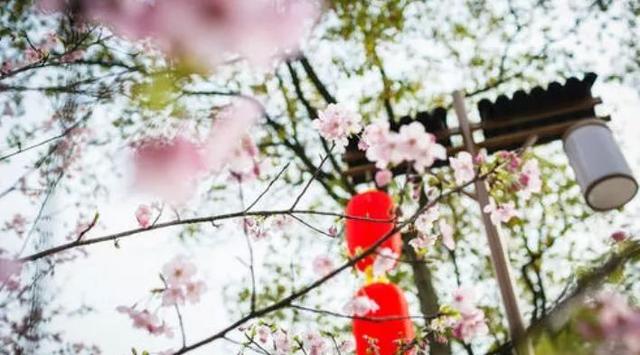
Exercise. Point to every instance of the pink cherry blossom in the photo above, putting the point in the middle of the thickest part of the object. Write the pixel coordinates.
(360, 306)
(336, 123)
(385, 260)
(264, 333)
(207, 31)
(228, 137)
(471, 322)
(424, 222)
(143, 215)
(470, 325)
(462, 165)
(9, 270)
(332, 231)
(193, 291)
(167, 167)
(529, 179)
(383, 177)
(146, 320)
(282, 343)
(178, 271)
(314, 343)
(172, 296)
(502, 213)
(322, 265)
(481, 157)
(447, 234)
(513, 160)
(244, 160)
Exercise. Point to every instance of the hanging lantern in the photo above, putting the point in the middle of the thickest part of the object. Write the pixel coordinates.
(385, 335)
(362, 234)
(601, 170)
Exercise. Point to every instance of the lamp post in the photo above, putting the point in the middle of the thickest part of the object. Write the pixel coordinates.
(559, 112)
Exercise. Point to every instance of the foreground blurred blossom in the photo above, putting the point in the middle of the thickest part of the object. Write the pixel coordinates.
(282, 343)
(167, 167)
(337, 123)
(9, 271)
(616, 325)
(206, 31)
(146, 320)
(228, 140)
(360, 306)
(173, 296)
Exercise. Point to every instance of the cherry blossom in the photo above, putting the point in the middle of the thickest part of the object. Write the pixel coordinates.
(167, 167)
(228, 138)
(336, 123)
(314, 343)
(146, 320)
(424, 222)
(383, 177)
(385, 260)
(512, 159)
(500, 213)
(447, 234)
(322, 265)
(206, 31)
(529, 179)
(617, 323)
(178, 271)
(255, 229)
(282, 342)
(244, 160)
(173, 295)
(471, 322)
(360, 306)
(462, 166)
(422, 242)
(418, 146)
(9, 270)
(143, 216)
(264, 333)
(193, 291)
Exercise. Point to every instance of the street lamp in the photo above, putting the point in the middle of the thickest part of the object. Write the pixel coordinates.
(551, 114)
(601, 170)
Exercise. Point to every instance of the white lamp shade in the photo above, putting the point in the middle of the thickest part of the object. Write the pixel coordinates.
(600, 168)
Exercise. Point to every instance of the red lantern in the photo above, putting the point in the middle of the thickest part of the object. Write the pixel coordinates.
(362, 234)
(389, 334)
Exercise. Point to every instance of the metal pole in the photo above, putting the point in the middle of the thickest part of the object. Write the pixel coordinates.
(499, 257)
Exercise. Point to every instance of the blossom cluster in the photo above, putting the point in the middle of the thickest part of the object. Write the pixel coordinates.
(427, 237)
(466, 321)
(205, 31)
(178, 274)
(412, 144)
(283, 342)
(336, 123)
(616, 324)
